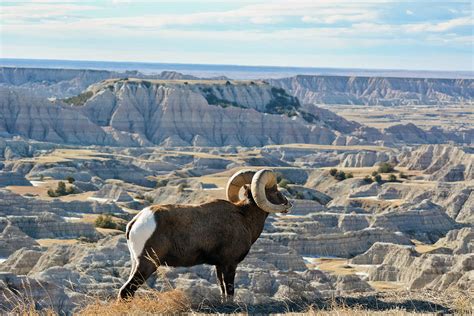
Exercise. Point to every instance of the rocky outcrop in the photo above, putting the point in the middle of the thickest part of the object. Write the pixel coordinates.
(16, 205)
(433, 271)
(140, 113)
(441, 162)
(364, 159)
(344, 245)
(377, 90)
(21, 261)
(114, 193)
(461, 241)
(425, 220)
(59, 82)
(48, 225)
(12, 239)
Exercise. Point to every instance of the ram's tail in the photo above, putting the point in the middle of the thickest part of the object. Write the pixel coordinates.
(129, 227)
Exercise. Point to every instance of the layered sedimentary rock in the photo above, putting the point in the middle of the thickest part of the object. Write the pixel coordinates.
(12, 239)
(138, 113)
(377, 91)
(433, 271)
(441, 162)
(48, 225)
(15, 204)
(364, 159)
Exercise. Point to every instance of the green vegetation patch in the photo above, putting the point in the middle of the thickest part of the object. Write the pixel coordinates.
(212, 99)
(61, 190)
(282, 103)
(80, 99)
(107, 221)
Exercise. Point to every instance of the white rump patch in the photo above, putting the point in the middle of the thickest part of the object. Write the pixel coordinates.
(141, 231)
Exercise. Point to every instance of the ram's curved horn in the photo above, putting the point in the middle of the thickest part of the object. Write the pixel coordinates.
(237, 181)
(261, 180)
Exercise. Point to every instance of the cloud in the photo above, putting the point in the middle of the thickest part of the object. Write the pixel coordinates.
(440, 26)
(27, 12)
(409, 12)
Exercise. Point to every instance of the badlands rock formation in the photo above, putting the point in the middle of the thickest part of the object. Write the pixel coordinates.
(137, 113)
(62, 83)
(123, 144)
(377, 91)
(443, 163)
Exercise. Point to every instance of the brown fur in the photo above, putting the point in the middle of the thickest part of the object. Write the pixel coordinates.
(218, 233)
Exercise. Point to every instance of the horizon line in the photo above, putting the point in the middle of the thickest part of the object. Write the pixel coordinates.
(238, 65)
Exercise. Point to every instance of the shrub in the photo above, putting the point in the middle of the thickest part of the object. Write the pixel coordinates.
(299, 196)
(105, 221)
(392, 178)
(80, 99)
(349, 175)
(61, 190)
(70, 179)
(52, 193)
(70, 190)
(374, 173)
(403, 176)
(284, 183)
(378, 178)
(368, 179)
(340, 175)
(161, 183)
(385, 167)
(333, 172)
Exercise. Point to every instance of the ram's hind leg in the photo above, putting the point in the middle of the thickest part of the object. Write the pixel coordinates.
(143, 269)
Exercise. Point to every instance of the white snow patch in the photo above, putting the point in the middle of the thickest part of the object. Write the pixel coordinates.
(101, 200)
(37, 183)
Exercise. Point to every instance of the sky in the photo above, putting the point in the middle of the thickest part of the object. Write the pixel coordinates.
(375, 34)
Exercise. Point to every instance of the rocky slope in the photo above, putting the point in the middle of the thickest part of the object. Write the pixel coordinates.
(441, 162)
(137, 112)
(377, 91)
(52, 82)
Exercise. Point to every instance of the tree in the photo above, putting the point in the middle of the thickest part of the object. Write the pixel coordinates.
(70, 179)
(340, 175)
(392, 178)
(61, 190)
(378, 178)
(368, 179)
(349, 175)
(333, 172)
(374, 173)
(52, 193)
(385, 167)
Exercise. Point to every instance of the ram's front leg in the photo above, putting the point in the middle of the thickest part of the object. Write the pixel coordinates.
(229, 277)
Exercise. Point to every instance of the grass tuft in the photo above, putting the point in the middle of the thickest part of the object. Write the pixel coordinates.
(151, 302)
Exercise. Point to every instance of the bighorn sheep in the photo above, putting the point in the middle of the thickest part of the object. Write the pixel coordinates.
(218, 233)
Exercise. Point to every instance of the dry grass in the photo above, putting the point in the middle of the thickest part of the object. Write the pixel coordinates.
(152, 302)
(48, 242)
(331, 147)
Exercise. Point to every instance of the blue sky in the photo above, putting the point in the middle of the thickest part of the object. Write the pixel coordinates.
(383, 34)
